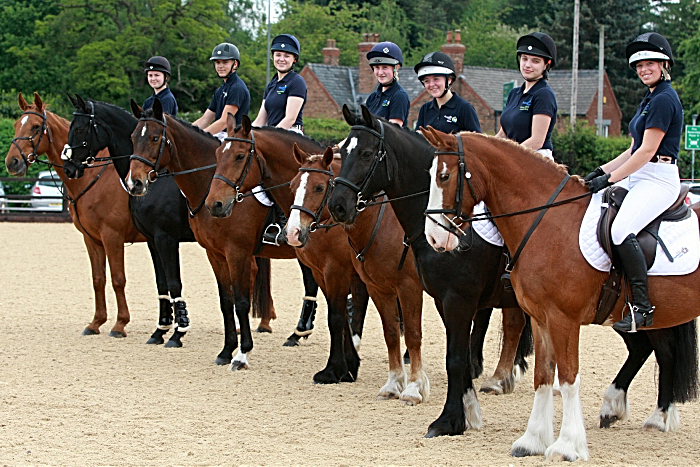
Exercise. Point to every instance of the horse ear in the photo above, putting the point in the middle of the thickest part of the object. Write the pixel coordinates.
(157, 109)
(38, 102)
(349, 115)
(299, 155)
(136, 109)
(429, 135)
(444, 140)
(230, 123)
(72, 100)
(22, 103)
(367, 116)
(81, 103)
(247, 125)
(328, 156)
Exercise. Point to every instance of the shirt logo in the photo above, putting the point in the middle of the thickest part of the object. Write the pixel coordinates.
(525, 105)
(281, 89)
(225, 94)
(646, 110)
(450, 119)
(386, 102)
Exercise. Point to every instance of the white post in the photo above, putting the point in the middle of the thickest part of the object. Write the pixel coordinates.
(574, 67)
(601, 73)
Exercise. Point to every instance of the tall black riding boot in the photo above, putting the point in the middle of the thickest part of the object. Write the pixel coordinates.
(635, 267)
(273, 231)
(306, 320)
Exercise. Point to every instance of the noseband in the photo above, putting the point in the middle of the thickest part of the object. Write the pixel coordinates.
(31, 158)
(458, 217)
(153, 174)
(361, 204)
(92, 126)
(316, 224)
(237, 186)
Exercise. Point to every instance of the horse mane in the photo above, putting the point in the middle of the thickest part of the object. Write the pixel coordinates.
(149, 114)
(512, 145)
(114, 107)
(295, 136)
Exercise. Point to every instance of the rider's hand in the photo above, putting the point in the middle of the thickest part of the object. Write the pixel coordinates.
(598, 183)
(596, 173)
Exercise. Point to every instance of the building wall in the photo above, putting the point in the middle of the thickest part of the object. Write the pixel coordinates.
(319, 104)
(611, 111)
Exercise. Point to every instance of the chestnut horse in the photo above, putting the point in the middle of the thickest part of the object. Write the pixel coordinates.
(105, 231)
(553, 281)
(377, 156)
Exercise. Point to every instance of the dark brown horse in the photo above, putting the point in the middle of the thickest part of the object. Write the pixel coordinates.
(552, 280)
(105, 231)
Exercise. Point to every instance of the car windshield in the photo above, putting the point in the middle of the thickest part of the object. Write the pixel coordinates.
(48, 181)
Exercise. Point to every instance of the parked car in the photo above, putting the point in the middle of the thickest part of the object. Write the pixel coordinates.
(3, 200)
(46, 192)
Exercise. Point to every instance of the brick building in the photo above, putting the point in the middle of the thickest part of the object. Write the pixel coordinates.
(331, 85)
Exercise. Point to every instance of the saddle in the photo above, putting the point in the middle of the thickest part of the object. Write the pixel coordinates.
(647, 239)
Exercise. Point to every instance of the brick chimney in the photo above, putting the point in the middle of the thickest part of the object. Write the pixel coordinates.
(366, 77)
(455, 49)
(331, 54)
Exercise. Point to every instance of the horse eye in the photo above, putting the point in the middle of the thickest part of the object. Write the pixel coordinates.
(319, 188)
(35, 127)
(155, 139)
(79, 131)
(444, 177)
(240, 157)
(366, 154)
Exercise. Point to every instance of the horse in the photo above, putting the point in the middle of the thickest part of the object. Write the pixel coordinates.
(557, 287)
(105, 231)
(400, 170)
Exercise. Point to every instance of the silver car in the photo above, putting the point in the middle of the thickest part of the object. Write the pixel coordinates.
(46, 192)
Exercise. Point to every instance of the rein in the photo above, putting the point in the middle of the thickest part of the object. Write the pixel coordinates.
(153, 174)
(44, 129)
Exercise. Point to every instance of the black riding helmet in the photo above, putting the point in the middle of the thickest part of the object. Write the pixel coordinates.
(538, 44)
(437, 64)
(226, 51)
(158, 63)
(649, 46)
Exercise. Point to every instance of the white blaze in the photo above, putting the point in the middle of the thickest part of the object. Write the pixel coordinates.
(143, 131)
(24, 120)
(294, 223)
(351, 145)
(228, 145)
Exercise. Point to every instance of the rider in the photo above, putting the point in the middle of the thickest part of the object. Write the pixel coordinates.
(285, 94)
(447, 111)
(650, 164)
(389, 100)
(531, 110)
(232, 96)
(158, 74)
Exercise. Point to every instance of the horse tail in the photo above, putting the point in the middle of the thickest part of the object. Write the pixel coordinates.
(262, 296)
(526, 345)
(685, 374)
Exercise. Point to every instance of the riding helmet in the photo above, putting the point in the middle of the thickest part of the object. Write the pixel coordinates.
(435, 63)
(538, 44)
(158, 63)
(649, 46)
(226, 51)
(286, 43)
(385, 53)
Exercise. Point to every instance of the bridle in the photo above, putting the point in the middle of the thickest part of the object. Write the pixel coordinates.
(32, 157)
(92, 126)
(458, 217)
(152, 176)
(238, 197)
(316, 223)
(362, 203)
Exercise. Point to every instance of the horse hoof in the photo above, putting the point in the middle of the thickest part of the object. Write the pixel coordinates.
(155, 340)
(325, 377)
(221, 361)
(90, 332)
(173, 344)
(521, 452)
(348, 378)
(117, 334)
(291, 341)
(262, 330)
(237, 366)
(608, 421)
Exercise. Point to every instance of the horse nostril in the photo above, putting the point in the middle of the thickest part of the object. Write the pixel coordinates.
(218, 206)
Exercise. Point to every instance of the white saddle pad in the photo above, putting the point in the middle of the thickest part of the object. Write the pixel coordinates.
(681, 238)
(486, 229)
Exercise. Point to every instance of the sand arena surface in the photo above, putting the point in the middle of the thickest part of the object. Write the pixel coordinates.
(66, 399)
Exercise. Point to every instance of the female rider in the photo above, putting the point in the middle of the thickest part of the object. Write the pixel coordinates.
(531, 110)
(158, 74)
(650, 164)
(447, 111)
(285, 94)
(388, 100)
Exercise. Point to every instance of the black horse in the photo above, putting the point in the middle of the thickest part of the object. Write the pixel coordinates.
(386, 157)
(162, 215)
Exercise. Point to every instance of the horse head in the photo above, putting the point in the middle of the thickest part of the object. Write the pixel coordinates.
(85, 138)
(367, 164)
(235, 171)
(152, 149)
(311, 188)
(32, 136)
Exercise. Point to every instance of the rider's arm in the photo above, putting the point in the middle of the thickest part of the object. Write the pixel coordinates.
(540, 126)
(220, 125)
(291, 112)
(398, 121)
(261, 119)
(204, 120)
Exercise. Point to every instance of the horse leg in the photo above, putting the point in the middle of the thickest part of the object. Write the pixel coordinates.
(308, 309)
(478, 336)
(114, 247)
(263, 305)
(226, 305)
(526, 347)
(418, 389)
(503, 379)
(389, 314)
(242, 274)
(461, 410)
(165, 316)
(571, 445)
(357, 309)
(540, 430)
(615, 405)
(96, 253)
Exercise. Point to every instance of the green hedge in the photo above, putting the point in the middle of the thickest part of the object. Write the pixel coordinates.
(325, 130)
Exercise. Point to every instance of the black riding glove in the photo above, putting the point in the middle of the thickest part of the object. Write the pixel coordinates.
(598, 183)
(596, 173)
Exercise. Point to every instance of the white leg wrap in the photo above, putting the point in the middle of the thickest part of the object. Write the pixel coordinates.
(166, 327)
(472, 410)
(615, 404)
(571, 444)
(178, 299)
(540, 431)
(394, 386)
(164, 297)
(240, 361)
(417, 391)
(306, 297)
(658, 420)
(356, 339)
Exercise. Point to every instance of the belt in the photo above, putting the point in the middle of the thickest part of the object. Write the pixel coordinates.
(664, 159)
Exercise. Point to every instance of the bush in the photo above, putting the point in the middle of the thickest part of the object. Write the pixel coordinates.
(326, 130)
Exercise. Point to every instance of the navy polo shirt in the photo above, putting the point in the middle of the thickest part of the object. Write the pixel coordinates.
(455, 116)
(232, 92)
(659, 109)
(167, 100)
(277, 93)
(392, 103)
(516, 119)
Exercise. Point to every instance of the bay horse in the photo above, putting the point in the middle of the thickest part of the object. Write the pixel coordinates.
(105, 231)
(558, 288)
(460, 283)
